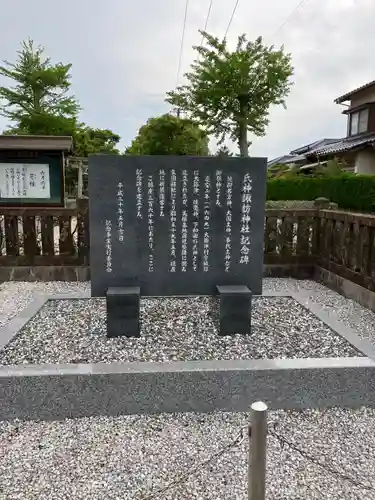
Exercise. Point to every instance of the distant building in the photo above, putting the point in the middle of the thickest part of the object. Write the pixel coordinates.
(357, 149)
(300, 156)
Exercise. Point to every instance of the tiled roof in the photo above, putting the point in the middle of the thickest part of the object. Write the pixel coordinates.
(285, 160)
(344, 145)
(312, 146)
(346, 96)
(300, 154)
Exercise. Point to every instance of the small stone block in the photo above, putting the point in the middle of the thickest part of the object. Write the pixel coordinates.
(123, 311)
(235, 310)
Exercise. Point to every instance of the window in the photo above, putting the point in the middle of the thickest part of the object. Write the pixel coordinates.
(358, 122)
(363, 120)
(354, 119)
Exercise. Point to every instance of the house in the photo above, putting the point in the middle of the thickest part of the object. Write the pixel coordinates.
(299, 156)
(357, 149)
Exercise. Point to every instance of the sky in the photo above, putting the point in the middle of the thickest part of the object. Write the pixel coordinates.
(125, 56)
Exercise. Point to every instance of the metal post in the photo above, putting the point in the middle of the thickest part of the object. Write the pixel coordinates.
(257, 452)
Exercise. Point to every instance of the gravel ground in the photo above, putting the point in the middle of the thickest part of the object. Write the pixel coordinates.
(172, 329)
(134, 457)
(15, 296)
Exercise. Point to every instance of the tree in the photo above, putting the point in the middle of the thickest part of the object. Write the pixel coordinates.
(333, 168)
(86, 141)
(89, 140)
(230, 93)
(39, 103)
(223, 152)
(169, 135)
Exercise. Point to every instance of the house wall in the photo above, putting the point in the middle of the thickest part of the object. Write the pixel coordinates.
(365, 162)
(364, 96)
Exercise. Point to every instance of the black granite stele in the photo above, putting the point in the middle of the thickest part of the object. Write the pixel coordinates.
(178, 226)
(123, 311)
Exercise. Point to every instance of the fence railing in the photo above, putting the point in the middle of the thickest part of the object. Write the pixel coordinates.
(341, 242)
(44, 236)
(347, 246)
(291, 236)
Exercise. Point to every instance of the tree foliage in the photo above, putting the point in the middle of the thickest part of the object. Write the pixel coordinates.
(223, 152)
(230, 93)
(169, 135)
(89, 140)
(40, 103)
(330, 168)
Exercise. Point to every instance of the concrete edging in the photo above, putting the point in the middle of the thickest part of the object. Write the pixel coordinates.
(345, 287)
(12, 328)
(58, 392)
(54, 392)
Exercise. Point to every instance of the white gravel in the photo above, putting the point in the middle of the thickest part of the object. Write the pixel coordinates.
(134, 457)
(172, 329)
(15, 296)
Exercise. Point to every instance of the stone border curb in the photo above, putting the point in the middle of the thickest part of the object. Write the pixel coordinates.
(54, 392)
(59, 391)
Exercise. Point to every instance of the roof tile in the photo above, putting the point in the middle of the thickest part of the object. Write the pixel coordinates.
(345, 145)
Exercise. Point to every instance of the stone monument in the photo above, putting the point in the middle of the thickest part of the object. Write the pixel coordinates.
(169, 226)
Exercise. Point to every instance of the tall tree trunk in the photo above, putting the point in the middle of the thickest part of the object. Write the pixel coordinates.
(242, 125)
(242, 139)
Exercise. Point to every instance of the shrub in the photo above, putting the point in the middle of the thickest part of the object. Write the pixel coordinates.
(349, 191)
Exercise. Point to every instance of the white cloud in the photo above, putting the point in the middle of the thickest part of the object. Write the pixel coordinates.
(125, 55)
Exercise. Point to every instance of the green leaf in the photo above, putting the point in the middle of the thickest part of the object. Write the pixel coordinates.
(38, 102)
(230, 93)
(169, 135)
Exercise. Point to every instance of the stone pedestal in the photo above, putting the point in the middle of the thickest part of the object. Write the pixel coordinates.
(234, 310)
(123, 311)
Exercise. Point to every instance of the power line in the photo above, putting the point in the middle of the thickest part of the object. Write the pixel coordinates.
(231, 17)
(291, 15)
(182, 42)
(207, 18)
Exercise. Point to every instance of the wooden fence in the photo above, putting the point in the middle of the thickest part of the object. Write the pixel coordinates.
(295, 241)
(44, 236)
(347, 246)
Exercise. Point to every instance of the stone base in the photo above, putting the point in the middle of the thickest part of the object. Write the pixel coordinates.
(123, 311)
(234, 313)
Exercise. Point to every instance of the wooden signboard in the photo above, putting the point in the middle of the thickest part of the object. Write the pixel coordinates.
(32, 171)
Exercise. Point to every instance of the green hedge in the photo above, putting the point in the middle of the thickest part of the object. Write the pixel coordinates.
(355, 192)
